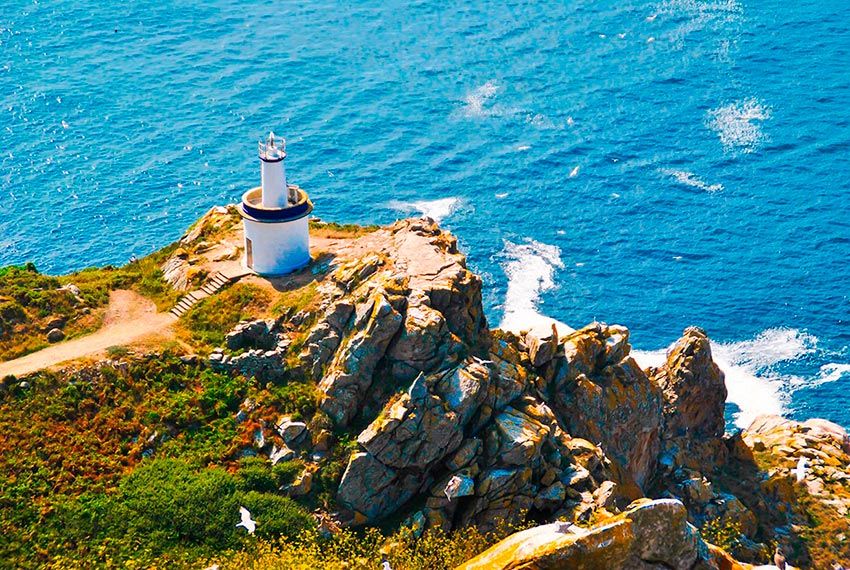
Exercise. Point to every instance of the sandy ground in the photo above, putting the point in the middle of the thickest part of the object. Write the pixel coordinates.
(129, 318)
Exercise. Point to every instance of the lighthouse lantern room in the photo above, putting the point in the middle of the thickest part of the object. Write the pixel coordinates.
(274, 216)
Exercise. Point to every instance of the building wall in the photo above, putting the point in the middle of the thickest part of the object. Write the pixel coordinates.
(278, 248)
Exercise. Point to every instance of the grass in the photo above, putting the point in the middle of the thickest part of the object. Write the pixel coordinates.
(208, 322)
(297, 300)
(350, 549)
(333, 230)
(30, 300)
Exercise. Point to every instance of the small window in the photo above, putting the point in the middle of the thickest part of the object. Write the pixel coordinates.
(249, 253)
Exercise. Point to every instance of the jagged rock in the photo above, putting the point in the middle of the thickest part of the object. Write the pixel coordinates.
(542, 345)
(290, 430)
(402, 446)
(55, 335)
(649, 535)
(350, 374)
(282, 453)
(410, 306)
(695, 397)
(601, 394)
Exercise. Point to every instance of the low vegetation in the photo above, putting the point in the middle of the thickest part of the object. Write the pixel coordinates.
(207, 322)
(143, 463)
(333, 230)
(350, 549)
(32, 303)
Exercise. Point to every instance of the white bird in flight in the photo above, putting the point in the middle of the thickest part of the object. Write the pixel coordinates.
(574, 172)
(247, 522)
(800, 470)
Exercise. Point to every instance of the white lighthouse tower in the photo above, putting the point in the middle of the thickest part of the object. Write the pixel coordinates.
(274, 215)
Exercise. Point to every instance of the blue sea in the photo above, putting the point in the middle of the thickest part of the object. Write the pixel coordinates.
(657, 165)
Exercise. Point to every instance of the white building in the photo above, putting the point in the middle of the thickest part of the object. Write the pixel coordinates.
(274, 215)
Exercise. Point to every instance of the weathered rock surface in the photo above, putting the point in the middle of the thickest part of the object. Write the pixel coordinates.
(648, 535)
(456, 425)
(410, 306)
(695, 398)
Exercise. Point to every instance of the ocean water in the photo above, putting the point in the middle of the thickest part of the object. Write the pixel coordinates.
(654, 164)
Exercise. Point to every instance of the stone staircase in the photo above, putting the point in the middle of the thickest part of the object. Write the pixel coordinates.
(213, 285)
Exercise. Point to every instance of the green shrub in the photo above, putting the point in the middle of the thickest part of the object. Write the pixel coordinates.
(277, 515)
(255, 474)
(168, 501)
(285, 472)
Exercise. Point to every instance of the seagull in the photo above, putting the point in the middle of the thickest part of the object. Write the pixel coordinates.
(386, 565)
(247, 522)
(452, 487)
(800, 470)
(574, 172)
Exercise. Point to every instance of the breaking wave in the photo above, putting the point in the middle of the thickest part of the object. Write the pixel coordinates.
(437, 210)
(738, 124)
(530, 268)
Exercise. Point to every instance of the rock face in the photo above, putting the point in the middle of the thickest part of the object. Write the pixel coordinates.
(410, 306)
(603, 396)
(695, 397)
(452, 424)
(808, 510)
(648, 535)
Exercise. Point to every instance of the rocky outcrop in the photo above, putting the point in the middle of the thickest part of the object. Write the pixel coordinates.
(601, 394)
(454, 425)
(264, 351)
(409, 306)
(648, 535)
(795, 478)
(695, 399)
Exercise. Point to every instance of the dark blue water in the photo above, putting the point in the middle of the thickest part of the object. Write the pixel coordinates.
(652, 164)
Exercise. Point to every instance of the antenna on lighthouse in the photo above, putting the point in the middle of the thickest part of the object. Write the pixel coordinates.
(275, 191)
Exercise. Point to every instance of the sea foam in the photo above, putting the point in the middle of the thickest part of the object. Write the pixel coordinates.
(438, 210)
(478, 102)
(738, 124)
(530, 268)
(690, 179)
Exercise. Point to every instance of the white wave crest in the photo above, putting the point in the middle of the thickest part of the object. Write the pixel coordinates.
(530, 268)
(692, 16)
(830, 373)
(437, 210)
(690, 179)
(752, 381)
(738, 124)
(478, 102)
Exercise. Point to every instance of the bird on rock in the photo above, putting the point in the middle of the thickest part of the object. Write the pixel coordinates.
(452, 487)
(779, 558)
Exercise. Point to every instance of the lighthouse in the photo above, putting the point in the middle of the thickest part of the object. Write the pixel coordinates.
(274, 216)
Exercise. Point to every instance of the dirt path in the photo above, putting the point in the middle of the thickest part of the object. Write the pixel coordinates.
(129, 317)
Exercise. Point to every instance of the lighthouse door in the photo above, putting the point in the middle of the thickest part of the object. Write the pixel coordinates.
(249, 253)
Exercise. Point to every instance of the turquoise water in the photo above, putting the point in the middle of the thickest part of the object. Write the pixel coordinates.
(652, 164)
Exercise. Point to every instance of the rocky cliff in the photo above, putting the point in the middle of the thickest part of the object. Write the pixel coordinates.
(369, 388)
(454, 424)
